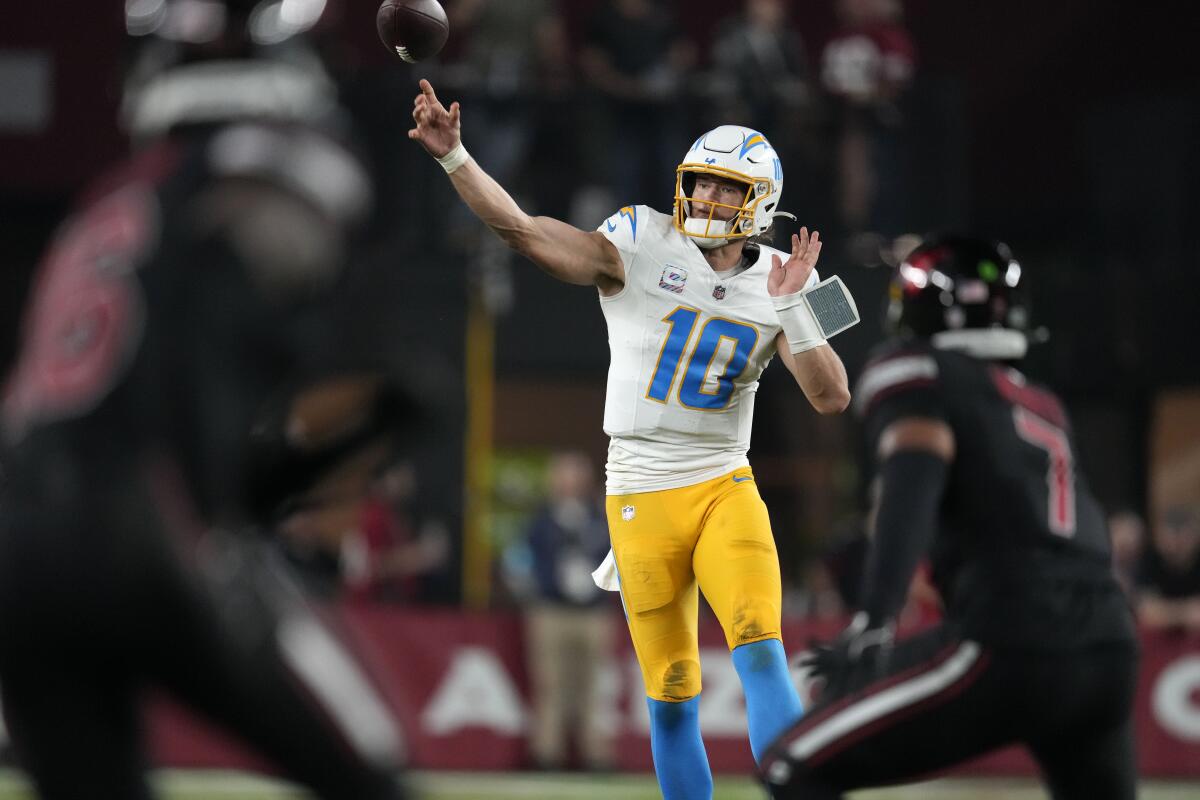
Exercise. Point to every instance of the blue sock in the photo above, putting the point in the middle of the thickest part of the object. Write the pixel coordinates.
(772, 704)
(679, 758)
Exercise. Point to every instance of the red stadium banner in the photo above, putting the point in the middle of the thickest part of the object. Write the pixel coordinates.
(458, 683)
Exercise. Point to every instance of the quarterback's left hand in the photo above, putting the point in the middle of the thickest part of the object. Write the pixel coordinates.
(859, 647)
(789, 277)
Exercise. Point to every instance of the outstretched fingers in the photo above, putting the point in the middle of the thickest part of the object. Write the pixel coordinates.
(427, 90)
(776, 275)
(422, 110)
(805, 247)
(814, 248)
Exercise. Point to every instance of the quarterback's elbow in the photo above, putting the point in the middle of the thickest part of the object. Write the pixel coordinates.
(831, 401)
(519, 234)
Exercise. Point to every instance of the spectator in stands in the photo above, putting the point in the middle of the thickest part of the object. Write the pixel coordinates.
(503, 51)
(554, 134)
(385, 557)
(865, 68)
(840, 572)
(1169, 592)
(760, 77)
(816, 596)
(635, 56)
(512, 65)
(1127, 531)
(839, 567)
(761, 72)
(569, 621)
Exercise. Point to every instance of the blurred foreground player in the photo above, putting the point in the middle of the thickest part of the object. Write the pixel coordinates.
(165, 313)
(977, 471)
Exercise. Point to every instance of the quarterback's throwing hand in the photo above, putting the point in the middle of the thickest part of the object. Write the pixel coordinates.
(438, 129)
(789, 277)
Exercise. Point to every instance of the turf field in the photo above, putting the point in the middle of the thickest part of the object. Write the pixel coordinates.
(214, 785)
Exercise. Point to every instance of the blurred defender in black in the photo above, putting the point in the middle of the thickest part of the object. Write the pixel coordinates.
(977, 472)
(147, 404)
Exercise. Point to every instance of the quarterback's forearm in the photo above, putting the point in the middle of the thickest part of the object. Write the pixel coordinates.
(559, 249)
(822, 376)
(492, 204)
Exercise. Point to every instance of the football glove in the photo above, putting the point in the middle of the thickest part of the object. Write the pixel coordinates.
(858, 655)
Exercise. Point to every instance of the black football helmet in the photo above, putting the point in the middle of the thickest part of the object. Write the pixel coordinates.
(962, 294)
(201, 62)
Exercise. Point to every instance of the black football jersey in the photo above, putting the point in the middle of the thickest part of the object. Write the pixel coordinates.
(1021, 552)
(145, 336)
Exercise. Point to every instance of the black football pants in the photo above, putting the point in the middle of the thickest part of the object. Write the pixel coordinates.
(942, 699)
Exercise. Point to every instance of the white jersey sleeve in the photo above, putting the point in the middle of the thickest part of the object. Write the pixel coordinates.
(622, 230)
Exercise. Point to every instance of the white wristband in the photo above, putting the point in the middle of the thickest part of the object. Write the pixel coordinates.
(798, 322)
(454, 159)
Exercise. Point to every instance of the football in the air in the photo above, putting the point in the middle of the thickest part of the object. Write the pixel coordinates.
(412, 29)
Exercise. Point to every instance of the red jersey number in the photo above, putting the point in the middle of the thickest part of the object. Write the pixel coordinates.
(1060, 475)
(85, 314)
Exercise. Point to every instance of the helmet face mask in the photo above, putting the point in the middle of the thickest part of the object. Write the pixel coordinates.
(729, 153)
(961, 294)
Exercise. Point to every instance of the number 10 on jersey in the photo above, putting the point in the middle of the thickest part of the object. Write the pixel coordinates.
(700, 362)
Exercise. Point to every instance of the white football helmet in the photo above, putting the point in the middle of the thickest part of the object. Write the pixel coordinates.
(734, 153)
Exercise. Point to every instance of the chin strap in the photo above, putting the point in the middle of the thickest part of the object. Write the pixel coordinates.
(709, 242)
(696, 227)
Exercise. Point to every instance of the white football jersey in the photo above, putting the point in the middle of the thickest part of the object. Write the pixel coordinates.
(688, 347)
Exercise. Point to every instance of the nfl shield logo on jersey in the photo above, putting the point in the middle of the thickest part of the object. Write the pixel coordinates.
(673, 279)
(627, 513)
(718, 293)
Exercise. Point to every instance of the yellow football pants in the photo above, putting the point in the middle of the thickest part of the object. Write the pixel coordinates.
(714, 535)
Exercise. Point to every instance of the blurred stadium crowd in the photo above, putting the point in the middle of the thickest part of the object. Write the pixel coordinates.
(1041, 125)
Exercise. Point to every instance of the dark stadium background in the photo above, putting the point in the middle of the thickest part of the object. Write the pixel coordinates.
(1068, 128)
